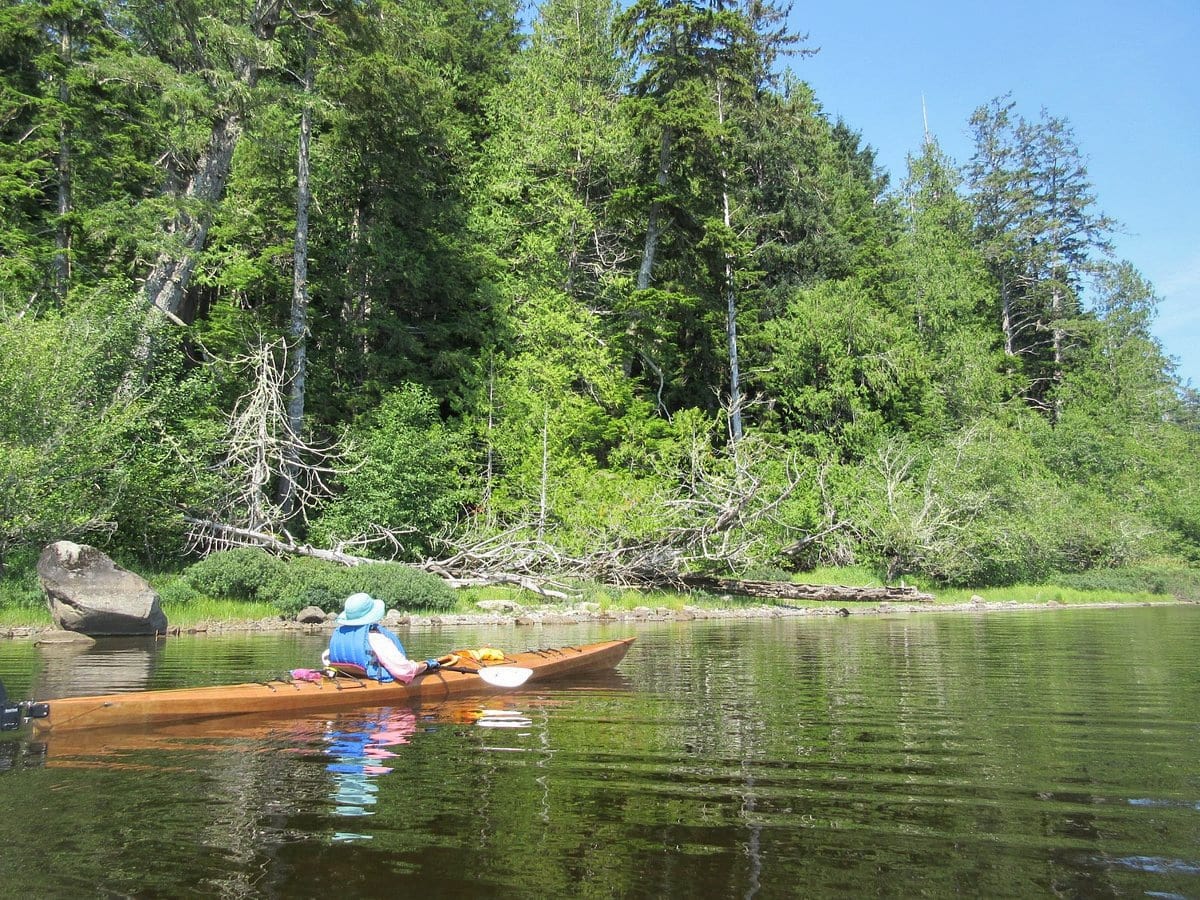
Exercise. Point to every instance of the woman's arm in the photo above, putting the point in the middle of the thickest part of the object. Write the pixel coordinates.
(400, 666)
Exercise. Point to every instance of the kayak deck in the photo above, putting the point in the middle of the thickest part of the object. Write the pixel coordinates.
(288, 696)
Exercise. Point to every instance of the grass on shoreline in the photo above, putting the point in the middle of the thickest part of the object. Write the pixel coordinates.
(22, 607)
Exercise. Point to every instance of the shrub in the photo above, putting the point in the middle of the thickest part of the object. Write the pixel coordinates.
(1183, 583)
(410, 475)
(403, 587)
(21, 591)
(237, 574)
(291, 584)
(178, 592)
(305, 582)
(302, 581)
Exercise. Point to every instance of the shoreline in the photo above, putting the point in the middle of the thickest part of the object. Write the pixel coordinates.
(538, 617)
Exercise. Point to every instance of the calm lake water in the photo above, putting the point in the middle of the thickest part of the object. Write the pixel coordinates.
(1019, 754)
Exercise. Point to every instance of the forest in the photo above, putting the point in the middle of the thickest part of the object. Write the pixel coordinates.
(595, 290)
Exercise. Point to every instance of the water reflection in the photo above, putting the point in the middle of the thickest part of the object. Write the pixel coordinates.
(109, 666)
(19, 754)
(930, 756)
(503, 718)
(362, 749)
(358, 750)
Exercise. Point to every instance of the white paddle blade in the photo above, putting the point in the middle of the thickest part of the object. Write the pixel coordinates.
(505, 676)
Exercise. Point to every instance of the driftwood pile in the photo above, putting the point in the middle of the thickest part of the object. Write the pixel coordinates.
(475, 567)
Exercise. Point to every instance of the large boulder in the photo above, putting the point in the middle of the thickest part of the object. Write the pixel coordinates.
(87, 592)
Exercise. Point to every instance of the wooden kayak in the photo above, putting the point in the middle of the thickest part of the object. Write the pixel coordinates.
(286, 696)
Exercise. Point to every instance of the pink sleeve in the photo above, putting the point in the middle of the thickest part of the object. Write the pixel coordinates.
(402, 668)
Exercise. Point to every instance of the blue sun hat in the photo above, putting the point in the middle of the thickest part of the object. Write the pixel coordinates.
(361, 609)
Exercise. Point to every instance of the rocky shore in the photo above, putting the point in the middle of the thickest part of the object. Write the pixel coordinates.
(507, 613)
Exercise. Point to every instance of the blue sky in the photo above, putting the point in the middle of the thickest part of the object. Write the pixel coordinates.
(1126, 75)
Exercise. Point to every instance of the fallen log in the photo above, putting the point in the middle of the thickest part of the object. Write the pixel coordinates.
(785, 590)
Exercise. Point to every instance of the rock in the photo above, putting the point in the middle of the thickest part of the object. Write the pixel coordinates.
(504, 606)
(311, 615)
(393, 618)
(88, 593)
(58, 638)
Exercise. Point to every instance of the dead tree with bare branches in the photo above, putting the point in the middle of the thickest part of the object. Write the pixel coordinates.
(263, 451)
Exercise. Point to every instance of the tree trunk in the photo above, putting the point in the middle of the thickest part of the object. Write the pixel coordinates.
(62, 255)
(298, 325)
(167, 282)
(735, 387)
(1007, 318)
(1059, 338)
(654, 226)
(542, 499)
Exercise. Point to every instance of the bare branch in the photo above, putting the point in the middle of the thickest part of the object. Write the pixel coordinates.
(260, 443)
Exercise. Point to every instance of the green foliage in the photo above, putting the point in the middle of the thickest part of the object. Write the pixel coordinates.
(302, 582)
(402, 587)
(986, 508)
(1040, 233)
(289, 585)
(407, 474)
(20, 590)
(594, 509)
(846, 371)
(178, 592)
(66, 426)
(242, 573)
(522, 260)
(1168, 578)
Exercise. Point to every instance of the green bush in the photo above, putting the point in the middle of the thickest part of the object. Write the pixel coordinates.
(238, 574)
(403, 587)
(21, 591)
(303, 581)
(291, 584)
(178, 592)
(409, 475)
(1183, 583)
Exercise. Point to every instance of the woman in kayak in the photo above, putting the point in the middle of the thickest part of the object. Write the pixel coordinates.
(361, 646)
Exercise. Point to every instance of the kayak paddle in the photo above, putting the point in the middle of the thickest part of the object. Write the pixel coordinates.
(497, 676)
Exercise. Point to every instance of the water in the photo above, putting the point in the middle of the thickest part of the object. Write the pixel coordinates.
(1016, 754)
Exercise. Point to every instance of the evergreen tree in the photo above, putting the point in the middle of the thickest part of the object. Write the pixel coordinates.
(1040, 233)
(942, 285)
(704, 76)
(554, 407)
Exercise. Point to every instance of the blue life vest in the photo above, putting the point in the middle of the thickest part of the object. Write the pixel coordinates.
(350, 651)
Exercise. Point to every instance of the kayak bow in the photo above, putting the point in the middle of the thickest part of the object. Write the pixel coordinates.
(291, 696)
